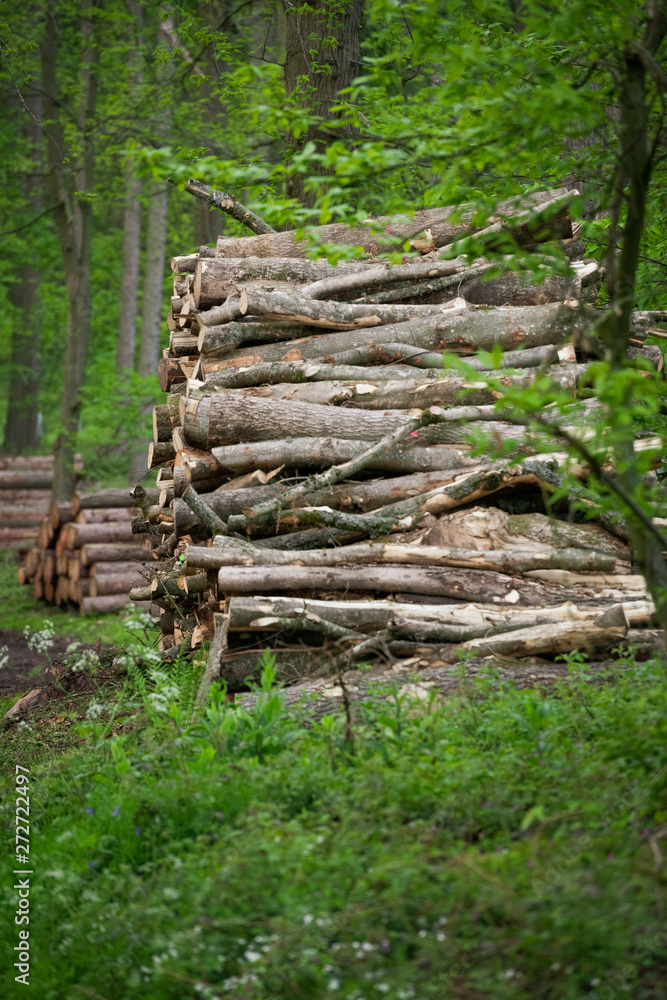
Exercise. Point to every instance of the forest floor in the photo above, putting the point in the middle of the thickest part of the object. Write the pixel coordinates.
(24, 666)
(502, 843)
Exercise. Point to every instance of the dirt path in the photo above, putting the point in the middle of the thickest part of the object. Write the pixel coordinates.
(25, 667)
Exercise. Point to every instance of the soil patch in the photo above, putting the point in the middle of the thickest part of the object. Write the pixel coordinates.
(26, 668)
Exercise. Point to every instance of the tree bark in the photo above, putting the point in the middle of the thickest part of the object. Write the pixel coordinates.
(462, 585)
(276, 372)
(225, 419)
(228, 336)
(548, 640)
(78, 535)
(371, 354)
(112, 552)
(369, 394)
(636, 158)
(344, 496)
(107, 499)
(104, 605)
(21, 425)
(513, 561)
(127, 326)
(373, 237)
(116, 583)
(317, 453)
(464, 332)
(158, 198)
(322, 57)
(292, 307)
(73, 214)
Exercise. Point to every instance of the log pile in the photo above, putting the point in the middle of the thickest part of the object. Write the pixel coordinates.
(87, 554)
(25, 497)
(318, 489)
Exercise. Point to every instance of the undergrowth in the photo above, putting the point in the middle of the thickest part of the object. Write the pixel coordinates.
(504, 843)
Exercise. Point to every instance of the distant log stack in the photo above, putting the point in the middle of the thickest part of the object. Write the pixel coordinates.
(86, 553)
(319, 492)
(25, 496)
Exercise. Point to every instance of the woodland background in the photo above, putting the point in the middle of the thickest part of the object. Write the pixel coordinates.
(305, 113)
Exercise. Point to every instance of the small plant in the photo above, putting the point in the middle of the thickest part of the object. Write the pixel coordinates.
(41, 640)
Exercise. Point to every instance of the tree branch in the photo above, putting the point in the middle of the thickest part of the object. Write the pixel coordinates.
(227, 203)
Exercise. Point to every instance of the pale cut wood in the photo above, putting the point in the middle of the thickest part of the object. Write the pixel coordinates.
(485, 528)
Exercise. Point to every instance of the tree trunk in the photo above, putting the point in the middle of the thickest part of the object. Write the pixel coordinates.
(116, 583)
(156, 242)
(330, 315)
(318, 453)
(350, 496)
(112, 552)
(513, 561)
(322, 57)
(464, 332)
(370, 394)
(74, 216)
(273, 373)
(373, 237)
(227, 419)
(21, 426)
(636, 158)
(127, 326)
(107, 499)
(462, 585)
(548, 640)
(371, 616)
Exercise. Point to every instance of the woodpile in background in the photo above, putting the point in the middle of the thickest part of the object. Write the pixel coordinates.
(86, 553)
(25, 497)
(318, 491)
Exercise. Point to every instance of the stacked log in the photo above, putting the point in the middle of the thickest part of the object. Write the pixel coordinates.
(87, 554)
(25, 497)
(315, 461)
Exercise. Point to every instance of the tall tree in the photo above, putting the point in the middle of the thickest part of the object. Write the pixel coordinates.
(127, 325)
(21, 427)
(72, 189)
(322, 57)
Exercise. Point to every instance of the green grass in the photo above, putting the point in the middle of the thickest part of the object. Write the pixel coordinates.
(483, 847)
(19, 608)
